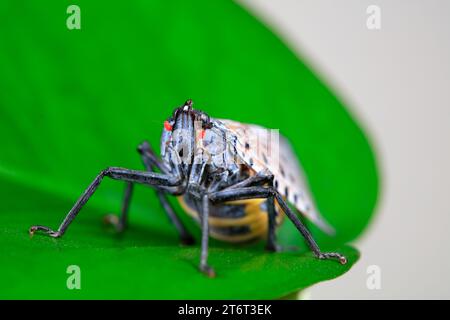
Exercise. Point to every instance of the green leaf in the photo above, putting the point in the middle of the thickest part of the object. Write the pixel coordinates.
(73, 102)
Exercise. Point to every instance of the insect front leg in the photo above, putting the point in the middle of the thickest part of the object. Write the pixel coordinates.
(131, 176)
(266, 192)
(204, 267)
(151, 161)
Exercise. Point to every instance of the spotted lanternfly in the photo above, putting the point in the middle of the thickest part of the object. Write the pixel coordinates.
(234, 179)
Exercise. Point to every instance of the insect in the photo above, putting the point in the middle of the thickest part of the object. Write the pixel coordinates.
(226, 175)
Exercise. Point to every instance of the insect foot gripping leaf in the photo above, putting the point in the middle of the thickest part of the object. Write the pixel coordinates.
(334, 152)
(204, 191)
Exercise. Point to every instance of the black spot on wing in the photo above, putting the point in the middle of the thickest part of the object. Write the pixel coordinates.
(264, 158)
(282, 171)
(286, 192)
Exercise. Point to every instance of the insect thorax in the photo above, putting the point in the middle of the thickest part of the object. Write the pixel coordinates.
(213, 148)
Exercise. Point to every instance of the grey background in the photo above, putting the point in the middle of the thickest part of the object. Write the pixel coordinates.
(397, 82)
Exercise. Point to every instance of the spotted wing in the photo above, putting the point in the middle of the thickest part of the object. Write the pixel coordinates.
(264, 149)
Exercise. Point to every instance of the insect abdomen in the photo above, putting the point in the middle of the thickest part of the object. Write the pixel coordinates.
(237, 221)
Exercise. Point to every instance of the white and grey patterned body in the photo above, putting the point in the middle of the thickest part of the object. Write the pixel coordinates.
(264, 149)
(233, 152)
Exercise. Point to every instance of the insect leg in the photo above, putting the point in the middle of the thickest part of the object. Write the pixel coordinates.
(259, 179)
(204, 267)
(133, 176)
(266, 192)
(262, 179)
(149, 157)
(271, 236)
(121, 223)
(151, 161)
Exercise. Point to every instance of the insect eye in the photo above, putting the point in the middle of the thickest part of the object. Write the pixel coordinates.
(167, 126)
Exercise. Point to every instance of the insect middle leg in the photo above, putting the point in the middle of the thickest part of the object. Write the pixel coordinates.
(261, 179)
(151, 161)
(271, 236)
(266, 192)
(120, 223)
(132, 176)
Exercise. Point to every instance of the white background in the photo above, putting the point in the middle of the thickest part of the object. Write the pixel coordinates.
(396, 80)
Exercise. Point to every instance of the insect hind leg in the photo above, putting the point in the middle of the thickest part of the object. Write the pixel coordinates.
(265, 193)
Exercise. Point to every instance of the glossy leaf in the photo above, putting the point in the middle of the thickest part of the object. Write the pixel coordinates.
(73, 102)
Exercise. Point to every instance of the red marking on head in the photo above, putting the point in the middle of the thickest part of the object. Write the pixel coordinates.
(167, 126)
(201, 134)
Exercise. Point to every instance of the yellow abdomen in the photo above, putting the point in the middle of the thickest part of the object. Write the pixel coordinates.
(235, 221)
